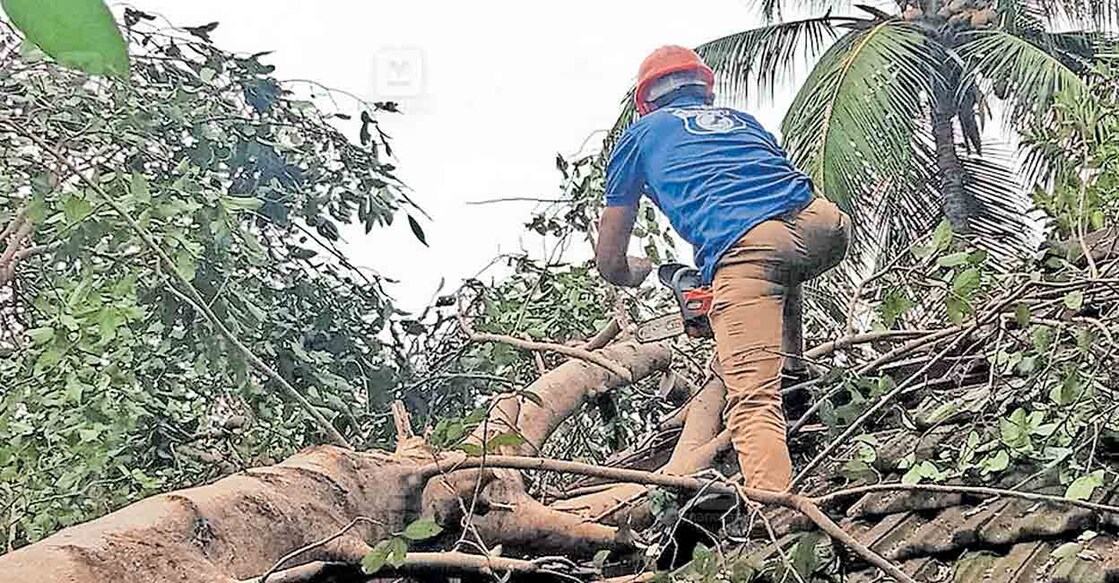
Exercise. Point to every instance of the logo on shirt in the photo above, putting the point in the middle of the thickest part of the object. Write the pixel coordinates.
(704, 122)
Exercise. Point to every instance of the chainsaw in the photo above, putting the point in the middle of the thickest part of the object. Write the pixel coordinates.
(694, 300)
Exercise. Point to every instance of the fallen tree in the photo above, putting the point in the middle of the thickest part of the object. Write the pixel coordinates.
(238, 527)
(315, 516)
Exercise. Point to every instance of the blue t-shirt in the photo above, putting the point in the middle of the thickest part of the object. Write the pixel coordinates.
(714, 172)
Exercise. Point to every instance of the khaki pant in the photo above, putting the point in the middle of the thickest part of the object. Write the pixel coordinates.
(753, 283)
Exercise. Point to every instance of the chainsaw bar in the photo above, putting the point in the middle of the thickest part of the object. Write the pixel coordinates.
(660, 328)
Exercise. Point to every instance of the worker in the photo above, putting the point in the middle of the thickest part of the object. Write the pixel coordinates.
(758, 229)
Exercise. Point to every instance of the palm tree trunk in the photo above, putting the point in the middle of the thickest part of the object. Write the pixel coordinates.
(958, 204)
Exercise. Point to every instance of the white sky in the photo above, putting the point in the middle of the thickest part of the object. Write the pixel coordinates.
(504, 86)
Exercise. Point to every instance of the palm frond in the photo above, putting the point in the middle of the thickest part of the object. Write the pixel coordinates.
(851, 126)
(1028, 75)
(1004, 220)
(1006, 223)
(766, 57)
(773, 10)
(1098, 14)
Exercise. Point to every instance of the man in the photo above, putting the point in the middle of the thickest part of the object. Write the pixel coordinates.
(758, 231)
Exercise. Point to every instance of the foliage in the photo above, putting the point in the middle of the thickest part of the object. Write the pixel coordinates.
(1047, 397)
(113, 387)
(394, 550)
(1075, 157)
(78, 33)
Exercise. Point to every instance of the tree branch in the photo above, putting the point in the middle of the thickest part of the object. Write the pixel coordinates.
(827, 348)
(787, 499)
(570, 351)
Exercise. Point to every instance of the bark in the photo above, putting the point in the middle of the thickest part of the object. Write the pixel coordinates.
(959, 205)
(233, 529)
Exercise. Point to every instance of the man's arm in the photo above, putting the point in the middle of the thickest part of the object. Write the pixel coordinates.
(614, 230)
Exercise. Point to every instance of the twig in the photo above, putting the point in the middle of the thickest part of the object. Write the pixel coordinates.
(192, 294)
(827, 348)
(777, 545)
(402, 421)
(826, 499)
(515, 199)
(797, 502)
(276, 567)
(570, 351)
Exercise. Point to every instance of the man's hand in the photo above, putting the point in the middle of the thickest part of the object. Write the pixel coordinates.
(614, 231)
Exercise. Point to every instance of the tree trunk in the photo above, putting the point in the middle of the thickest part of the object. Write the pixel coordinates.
(958, 202)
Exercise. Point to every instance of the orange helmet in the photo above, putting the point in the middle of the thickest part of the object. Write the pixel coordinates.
(666, 61)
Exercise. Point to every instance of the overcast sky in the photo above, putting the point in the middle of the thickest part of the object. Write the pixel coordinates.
(491, 91)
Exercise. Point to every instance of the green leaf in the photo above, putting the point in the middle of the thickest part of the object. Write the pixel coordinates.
(966, 283)
(503, 440)
(471, 449)
(78, 33)
(1083, 487)
(476, 416)
(894, 305)
(139, 188)
(375, 559)
(242, 203)
(417, 230)
(600, 559)
(41, 335)
(1042, 338)
(398, 551)
(422, 529)
(804, 557)
(1015, 430)
(953, 260)
(75, 208)
(1022, 314)
(1074, 300)
(942, 236)
(997, 462)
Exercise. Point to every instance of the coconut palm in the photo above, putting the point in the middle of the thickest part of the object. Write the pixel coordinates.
(888, 122)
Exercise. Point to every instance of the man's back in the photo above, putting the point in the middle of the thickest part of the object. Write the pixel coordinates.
(715, 172)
